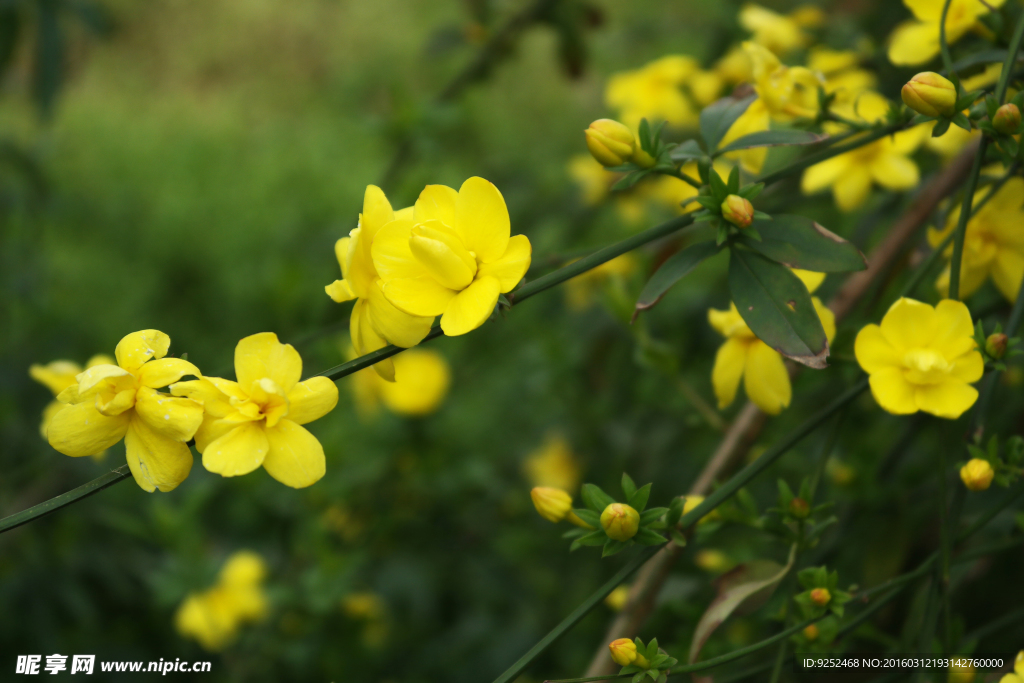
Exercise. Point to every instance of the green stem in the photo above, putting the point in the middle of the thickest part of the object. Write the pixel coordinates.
(947, 59)
(780, 658)
(965, 215)
(944, 551)
(675, 173)
(988, 388)
(64, 499)
(597, 596)
(828, 153)
(1011, 59)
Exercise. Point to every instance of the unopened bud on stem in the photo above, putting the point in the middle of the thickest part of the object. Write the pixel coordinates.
(738, 211)
(610, 142)
(930, 94)
(620, 521)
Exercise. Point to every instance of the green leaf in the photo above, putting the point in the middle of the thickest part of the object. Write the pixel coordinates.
(717, 119)
(799, 242)
(753, 582)
(649, 537)
(672, 271)
(575, 533)
(719, 190)
(774, 138)
(612, 547)
(590, 517)
(638, 677)
(687, 151)
(776, 306)
(962, 121)
(652, 651)
(708, 202)
(982, 57)
(630, 180)
(750, 192)
(644, 133)
(733, 184)
(675, 510)
(594, 498)
(651, 514)
(722, 234)
(593, 538)
(628, 487)
(940, 128)
(638, 501)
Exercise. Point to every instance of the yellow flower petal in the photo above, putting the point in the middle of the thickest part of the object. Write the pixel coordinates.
(895, 172)
(421, 382)
(51, 409)
(95, 378)
(79, 429)
(238, 451)
(730, 360)
(295, 458)
(765, 379)
(56, 376)
(914, 43)
(340, 291)
(376, 214)
(100, 359)
(214, 428)
(471, 307)
(810, 279)
(436, 202)
(396, 326)
(1008, 272)
(873, 350)
(160, 373)
(954, 331)
(513, 264)
(111, 404)
(441, 252)
(421, 296)
(481, 219)
(366, 339)
(214, 402)
(909, 324)
(949, 400)
(262, 355)
(827, 318)
(968, 368)
(173, 417)
(892, 392)
(820, 176)
(392, 256)
(852, 188)
(312, 399)
(155, 461)
(138, 347)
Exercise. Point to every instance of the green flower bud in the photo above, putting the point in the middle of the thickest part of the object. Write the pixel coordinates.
(930, 94)
(820, 596)
(995, 345)
(1007, 119)
(620, 521)
(738, 211)
(610, 142)
(799, 508)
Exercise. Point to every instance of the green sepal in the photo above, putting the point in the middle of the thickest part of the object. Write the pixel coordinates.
(612, 547)
(675, 510)
(719, 189)
(940, 128)
(962, 121)
(750, 192)
(628, 487)
(722, 236)
(593, 538)
(649, 537)
(595, 498)
(651, 515)
(638, 501)
(590, 517)
(733, 184)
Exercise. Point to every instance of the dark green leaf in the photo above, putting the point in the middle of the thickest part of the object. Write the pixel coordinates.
(594, 498)
(611, 547)
(799, 242)
(652, 650)
(719, 190)
(941, 126)
(648, 537)
(776, 306)
(733, 184)
(672, 271)
(628, 486)
(590, 517)
(717, 119)
(774, 138)
(750, 192)
(722, 235)
(644, 133)
(638, 501)
(630, 180)
(982, 57)
(962, 121)
(651, 514)
(687, 151)
(593, 538)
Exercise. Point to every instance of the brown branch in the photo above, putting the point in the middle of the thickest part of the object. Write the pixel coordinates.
(748, 423)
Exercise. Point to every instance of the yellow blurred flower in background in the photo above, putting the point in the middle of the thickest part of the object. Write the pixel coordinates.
(215, 616)
(993, 244)
(57, 376)
(788, 92)
(744, 356)
(713, 561)
(553, 465)
(375, 322)
(369, 608)
(885, 162)
(617, 599)
(922, 358)
(777, 32)
(1018, 670)
(844, 77)
(655, 92)
(917, 41)
(422, 379)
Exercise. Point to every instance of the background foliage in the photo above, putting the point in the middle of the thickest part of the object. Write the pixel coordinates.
(192, 175)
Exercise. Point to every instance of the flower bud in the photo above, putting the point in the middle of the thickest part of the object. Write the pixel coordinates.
(930, 94)
(820, 596)
(977, 474)
(620, 521)
(552, 504)
(714, 561)
(995, 345)
(642, 158)
(811, 632)
(1007, 119)
(799, 508)
(623, 651)
(610, 142)
(738, 211)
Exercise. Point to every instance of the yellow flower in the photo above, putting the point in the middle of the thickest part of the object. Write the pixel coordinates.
(552, 504)
(113, 402)
(778, 33)
(553, 464)
(618, 598)
(620, 521)
(961, 673)
(843, 76)
(214, 616)
(930, 94)
(734, 67)
(993, 244)
(454, 257)
(1018, 671)
(885, 162)
(623, 652)
(744, 356)
(713, 561)
(977, 474)
(593, 180)
(917, 41)
(654, 91)
(738, 211)
(610, 142)
(375, 322)
(922, 358)
(257, 420)
(788, 92)
(57, 376)
(422, 378)
(754, 120)
(581, 291)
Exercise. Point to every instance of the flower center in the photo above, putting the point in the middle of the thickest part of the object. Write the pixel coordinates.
(266, 401)
(925, 366)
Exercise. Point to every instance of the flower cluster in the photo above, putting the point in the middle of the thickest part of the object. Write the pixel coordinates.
(214, 616)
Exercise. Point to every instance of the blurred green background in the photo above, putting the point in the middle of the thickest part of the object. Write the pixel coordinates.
(191, 174)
